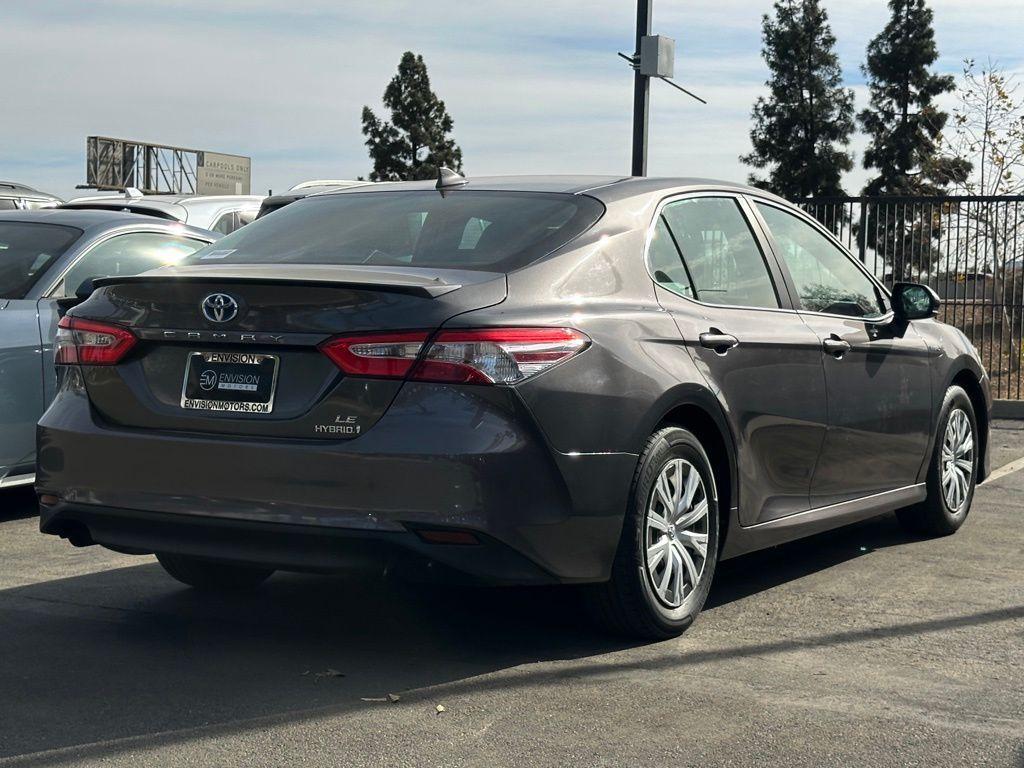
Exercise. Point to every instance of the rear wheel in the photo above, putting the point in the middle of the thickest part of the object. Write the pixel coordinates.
(212, 574)
(666, 558)
(952, 472)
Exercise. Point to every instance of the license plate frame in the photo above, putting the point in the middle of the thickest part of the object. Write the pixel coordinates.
(244, 391)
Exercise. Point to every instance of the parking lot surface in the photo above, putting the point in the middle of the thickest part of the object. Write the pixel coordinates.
(862, 646)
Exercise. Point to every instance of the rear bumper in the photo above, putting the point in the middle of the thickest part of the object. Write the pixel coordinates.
(290, 547)
(466, 458)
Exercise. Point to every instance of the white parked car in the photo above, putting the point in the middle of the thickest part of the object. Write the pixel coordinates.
(217, 213)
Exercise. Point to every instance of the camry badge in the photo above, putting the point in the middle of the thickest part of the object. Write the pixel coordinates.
(219, 308)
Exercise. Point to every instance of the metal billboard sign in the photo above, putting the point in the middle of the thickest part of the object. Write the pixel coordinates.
(116, 164)
(220, 174)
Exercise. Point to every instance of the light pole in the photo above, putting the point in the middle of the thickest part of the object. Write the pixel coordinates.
(641, 91)
(654, 56)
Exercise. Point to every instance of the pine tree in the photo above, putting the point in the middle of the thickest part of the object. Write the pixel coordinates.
(416, 141)
(802, 127)
(905, 126)
(902, 121)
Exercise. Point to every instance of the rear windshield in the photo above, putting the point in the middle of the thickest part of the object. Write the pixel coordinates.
(488, 231)
(27, 251)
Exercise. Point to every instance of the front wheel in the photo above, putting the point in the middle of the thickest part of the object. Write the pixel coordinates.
(212, 574)
(666, 558)
(952, 472)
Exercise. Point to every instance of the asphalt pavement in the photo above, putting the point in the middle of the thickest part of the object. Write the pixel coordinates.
(862, 646)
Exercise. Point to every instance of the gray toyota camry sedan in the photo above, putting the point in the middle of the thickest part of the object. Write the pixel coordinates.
(612, 382)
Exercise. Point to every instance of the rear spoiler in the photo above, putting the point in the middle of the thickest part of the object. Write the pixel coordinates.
(427, 283)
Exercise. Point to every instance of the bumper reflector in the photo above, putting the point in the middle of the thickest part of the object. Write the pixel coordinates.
(447, 537)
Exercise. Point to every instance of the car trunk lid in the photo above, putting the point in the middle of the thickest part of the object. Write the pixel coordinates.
(259, 343)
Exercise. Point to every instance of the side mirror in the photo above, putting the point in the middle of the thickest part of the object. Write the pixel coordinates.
(913, 301)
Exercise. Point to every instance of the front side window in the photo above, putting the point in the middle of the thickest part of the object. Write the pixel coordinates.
(35, 205)
(826, 278)
(482, 230)
(722, 258)
(233, 220)
(27, 250)
(247, 216)
(127, 254)
(226, 224)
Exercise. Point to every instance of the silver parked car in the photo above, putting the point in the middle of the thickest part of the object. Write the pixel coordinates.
(218, 213)
(19, 197)
(47, 260)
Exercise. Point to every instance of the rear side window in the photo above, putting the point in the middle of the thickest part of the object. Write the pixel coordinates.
(723, 261)
(27, 251)
(127, 254)
(488, 231)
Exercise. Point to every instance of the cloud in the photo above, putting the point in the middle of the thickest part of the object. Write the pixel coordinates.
(533, 86)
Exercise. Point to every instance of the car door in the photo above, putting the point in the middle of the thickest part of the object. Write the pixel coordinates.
(763, 363)
(21, 396)
(878, 377)
(28, 253)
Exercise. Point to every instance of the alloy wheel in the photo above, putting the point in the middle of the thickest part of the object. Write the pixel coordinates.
(957, 459)
(676, 532)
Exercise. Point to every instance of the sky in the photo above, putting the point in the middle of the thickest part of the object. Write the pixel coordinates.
(533, 87)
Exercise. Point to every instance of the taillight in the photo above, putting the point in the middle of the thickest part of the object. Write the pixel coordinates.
(477, 356)
(381, 355)
(88, 342)
(497, 355)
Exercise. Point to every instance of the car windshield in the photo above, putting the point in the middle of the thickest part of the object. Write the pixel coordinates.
(488, 231)
(27, 250)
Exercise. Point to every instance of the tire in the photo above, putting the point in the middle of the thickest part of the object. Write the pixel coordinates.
(633, 602)
(937, 515)
(211, 574)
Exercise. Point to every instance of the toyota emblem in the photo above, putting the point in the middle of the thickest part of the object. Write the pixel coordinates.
(219, 308)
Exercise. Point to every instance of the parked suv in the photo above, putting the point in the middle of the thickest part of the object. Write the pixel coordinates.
(531, 380)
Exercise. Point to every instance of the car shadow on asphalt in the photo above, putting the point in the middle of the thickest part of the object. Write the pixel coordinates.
(758, 571)
(128, 654)
(17, 503)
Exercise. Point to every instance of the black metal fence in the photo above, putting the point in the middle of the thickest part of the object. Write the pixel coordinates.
(968, 248)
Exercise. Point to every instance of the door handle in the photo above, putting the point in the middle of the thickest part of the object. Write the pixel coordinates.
(835, 346)
(718, 341)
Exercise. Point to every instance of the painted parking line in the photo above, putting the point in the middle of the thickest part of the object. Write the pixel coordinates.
(1005, 470)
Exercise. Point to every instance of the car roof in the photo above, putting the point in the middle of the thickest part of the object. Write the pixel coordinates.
(166, 199)
(178, 207)
(23, 190)
(163, 208)
(606, 188)
(92, 219)
(328, 183)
